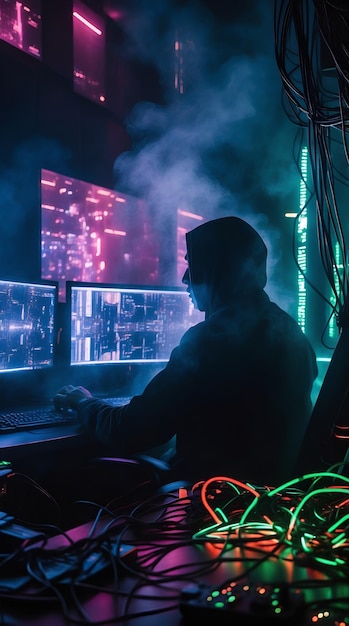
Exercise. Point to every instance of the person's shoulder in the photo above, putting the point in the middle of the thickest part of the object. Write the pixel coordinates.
(286, 324)
(193, 333)
(281, 313)
(190, 344)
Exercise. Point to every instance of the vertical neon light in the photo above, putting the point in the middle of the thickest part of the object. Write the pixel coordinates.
(19, 23)
(179, 66)
(332, 328)
(302, 241)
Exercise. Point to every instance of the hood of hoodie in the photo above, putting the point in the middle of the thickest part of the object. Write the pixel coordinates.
(226, 261)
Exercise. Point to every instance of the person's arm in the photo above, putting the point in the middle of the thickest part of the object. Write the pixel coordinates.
(97, 419)
(149, 419)
(69, 397)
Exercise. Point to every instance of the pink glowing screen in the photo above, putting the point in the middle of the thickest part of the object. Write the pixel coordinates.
(94, 234)
(20, 25)
(89, 53)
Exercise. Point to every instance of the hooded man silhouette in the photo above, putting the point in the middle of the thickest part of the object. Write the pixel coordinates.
(236, 391)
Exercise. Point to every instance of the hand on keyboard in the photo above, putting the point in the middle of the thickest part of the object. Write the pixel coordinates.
(68, 397)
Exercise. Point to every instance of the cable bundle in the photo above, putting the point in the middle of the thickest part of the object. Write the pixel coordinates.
(318, 104)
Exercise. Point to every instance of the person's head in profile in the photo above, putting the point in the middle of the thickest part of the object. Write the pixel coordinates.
(226, 260)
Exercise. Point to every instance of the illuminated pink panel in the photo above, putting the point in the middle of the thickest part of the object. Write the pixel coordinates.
(20, 25)
(95, 234)
(89, 53)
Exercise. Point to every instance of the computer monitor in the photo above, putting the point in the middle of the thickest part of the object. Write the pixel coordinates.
(20, 25)
(95, 234)
(89, 47)
(27, 325)
(126, 324)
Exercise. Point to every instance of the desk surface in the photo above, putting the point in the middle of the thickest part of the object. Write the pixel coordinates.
(167, 564)
(50, 471)
(19, 439)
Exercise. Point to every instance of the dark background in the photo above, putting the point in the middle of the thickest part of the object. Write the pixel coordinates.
(223, 146)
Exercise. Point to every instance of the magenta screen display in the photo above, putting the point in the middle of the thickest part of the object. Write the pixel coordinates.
(186, 220)
(89, 53)
(20, 25)
(94, 234)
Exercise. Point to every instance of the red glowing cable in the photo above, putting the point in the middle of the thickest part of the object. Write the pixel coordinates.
(226, 479)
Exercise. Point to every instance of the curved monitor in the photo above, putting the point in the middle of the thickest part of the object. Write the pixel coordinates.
(126, 324)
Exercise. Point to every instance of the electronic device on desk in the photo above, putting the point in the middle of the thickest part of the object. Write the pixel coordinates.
(28, 353)
(243, 603)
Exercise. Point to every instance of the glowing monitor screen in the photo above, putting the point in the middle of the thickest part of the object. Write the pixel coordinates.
(89, 52)
(27, 325)
(20, 25)
(94, 234)
(127, 324)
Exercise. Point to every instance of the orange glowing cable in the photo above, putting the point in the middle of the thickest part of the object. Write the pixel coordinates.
(346, 501)
(197, 485)
(226, 479)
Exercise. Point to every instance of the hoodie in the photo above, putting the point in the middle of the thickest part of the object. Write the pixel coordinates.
(226, 259)
(236, 391)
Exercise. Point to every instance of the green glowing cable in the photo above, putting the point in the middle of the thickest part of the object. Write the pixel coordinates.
(220, 529)
(284, 486)
(306, 498)
(338, 523)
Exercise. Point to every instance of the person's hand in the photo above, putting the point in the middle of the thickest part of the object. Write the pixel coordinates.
(69, 397)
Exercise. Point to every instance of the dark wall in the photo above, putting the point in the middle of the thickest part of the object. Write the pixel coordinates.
(44, 124)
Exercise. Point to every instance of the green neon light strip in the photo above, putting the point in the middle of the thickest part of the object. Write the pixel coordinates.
(302, 241)
(332, 329)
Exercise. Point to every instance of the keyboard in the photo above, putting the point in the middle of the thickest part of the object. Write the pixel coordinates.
(47, 416)
(35, 418)
(117, 401)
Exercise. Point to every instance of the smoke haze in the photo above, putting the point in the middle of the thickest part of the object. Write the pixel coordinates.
(224, 145)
